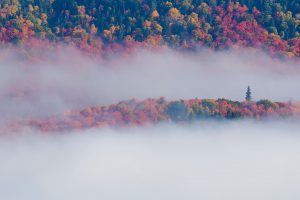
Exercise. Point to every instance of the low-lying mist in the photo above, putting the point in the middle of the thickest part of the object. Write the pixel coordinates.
(64, 78)
(229, 161)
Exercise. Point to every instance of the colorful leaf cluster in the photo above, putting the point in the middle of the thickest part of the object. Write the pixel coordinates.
(154, 111)
(97, 24)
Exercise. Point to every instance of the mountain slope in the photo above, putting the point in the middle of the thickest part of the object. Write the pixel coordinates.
(96, 25)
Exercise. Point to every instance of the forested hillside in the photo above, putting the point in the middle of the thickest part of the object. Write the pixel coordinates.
(96, 25)
(153, 111)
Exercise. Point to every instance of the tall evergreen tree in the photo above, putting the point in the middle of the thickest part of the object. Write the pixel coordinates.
(248, 94)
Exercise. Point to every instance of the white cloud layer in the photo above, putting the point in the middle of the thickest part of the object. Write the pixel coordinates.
(65, 79)
(230, 161)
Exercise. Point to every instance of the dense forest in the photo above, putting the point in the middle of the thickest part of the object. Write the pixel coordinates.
(96, 25)
(153, 111)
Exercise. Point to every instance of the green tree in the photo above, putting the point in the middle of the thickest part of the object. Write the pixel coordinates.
(248, 94)
(177, 111)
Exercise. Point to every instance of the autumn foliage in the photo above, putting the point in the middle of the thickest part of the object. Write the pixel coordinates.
(153, 111)
(103, 26)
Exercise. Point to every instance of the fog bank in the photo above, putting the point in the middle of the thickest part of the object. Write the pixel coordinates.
(64, 78)
(228, 161)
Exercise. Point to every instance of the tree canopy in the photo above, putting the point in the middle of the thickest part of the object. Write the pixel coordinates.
(218, 24)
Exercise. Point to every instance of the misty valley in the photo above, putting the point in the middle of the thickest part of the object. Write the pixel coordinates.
(149, 100)
(239, 159)
(69, 133)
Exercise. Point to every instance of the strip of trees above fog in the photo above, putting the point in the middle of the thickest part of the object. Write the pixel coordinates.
(153, 111)
(98, 24)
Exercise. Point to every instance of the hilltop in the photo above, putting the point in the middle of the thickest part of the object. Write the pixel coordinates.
(154, 111)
